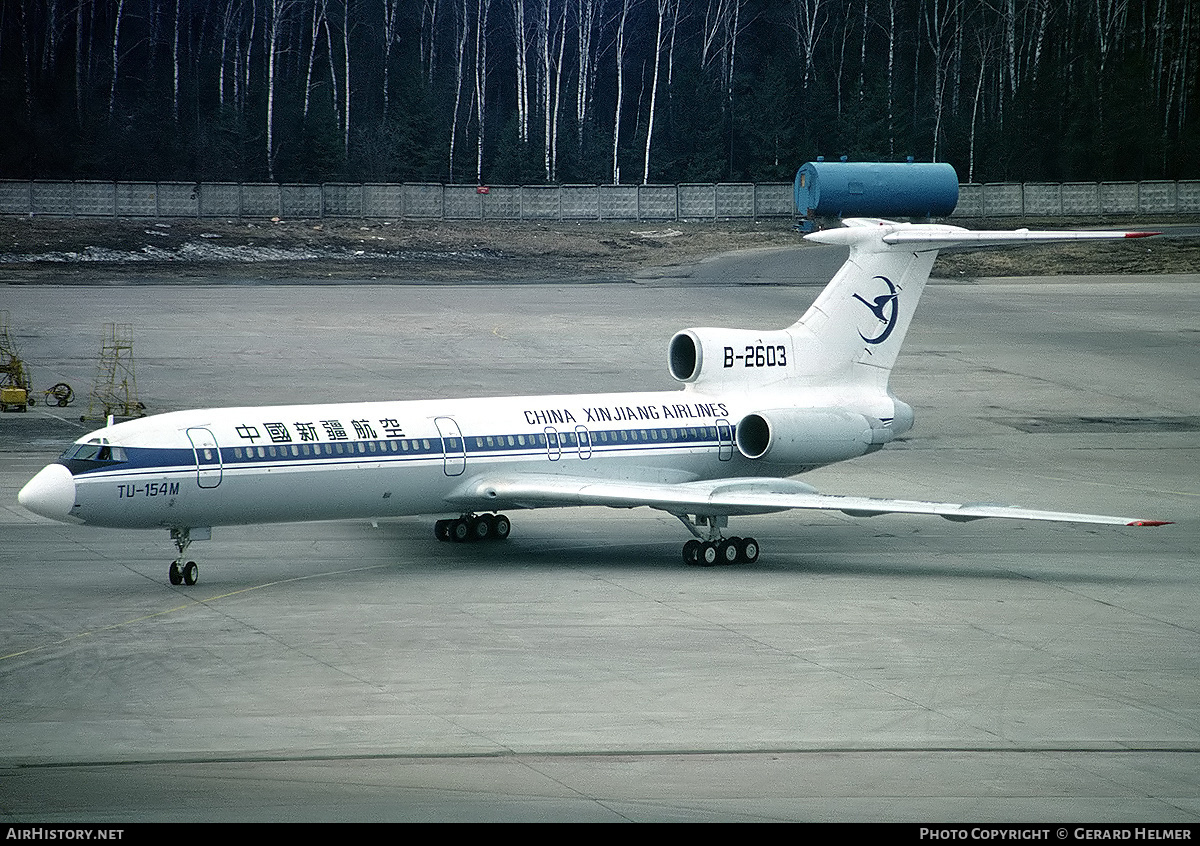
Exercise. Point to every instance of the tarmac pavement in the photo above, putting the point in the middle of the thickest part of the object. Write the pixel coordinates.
(884, 669)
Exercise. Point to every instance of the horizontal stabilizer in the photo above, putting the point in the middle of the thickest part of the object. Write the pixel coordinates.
(881, 235)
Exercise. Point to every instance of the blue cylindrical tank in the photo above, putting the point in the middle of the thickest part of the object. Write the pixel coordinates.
(876, 189)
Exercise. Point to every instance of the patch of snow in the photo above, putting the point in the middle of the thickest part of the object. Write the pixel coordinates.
(206, 251)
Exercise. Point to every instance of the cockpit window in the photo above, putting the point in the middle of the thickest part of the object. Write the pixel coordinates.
(94, 451)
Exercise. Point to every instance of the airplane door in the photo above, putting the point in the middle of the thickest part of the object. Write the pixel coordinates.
(583, 439)
(453, 446)
(724, 440)
(208, 457)
(553, 444)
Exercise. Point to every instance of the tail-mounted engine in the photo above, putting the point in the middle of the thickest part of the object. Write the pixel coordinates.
(808, 437)
(735, 358)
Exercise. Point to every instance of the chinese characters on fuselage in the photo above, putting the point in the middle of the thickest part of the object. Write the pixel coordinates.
(307, 431)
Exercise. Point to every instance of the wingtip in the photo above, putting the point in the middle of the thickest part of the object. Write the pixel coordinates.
(1141, 234)
(1150, 523)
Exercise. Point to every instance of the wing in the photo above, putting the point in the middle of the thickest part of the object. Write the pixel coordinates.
(729, 497)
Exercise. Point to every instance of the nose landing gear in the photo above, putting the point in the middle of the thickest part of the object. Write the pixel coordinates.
(189, 573)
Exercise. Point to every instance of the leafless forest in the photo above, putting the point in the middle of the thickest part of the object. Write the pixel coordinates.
(595, 91)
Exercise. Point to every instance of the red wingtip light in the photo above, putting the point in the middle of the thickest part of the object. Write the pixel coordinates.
(1150, 523)
(1141, 234)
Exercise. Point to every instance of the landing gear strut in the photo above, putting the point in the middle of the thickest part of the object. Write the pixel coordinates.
(181, 573)
(709, 546)
(473, 527)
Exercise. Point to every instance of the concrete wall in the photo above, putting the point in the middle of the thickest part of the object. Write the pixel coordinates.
(408, 200)
(1052, 199)
(717, 201)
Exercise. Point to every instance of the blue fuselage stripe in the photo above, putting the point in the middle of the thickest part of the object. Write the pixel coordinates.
(397, 450)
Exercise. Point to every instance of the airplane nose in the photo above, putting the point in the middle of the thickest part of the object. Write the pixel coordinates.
(51, 493)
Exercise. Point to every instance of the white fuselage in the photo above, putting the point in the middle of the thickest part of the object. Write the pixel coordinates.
(290, 463)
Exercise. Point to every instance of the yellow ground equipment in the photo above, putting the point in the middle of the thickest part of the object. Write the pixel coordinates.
(15, 391)
(115, 389)
(60, 395)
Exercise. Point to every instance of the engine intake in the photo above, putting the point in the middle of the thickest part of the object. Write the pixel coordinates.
(685, 356)
(736, 357)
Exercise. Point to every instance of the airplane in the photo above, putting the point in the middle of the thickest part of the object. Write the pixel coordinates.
(756, 408)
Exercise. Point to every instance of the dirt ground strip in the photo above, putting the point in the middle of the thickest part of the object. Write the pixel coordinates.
(59, 250)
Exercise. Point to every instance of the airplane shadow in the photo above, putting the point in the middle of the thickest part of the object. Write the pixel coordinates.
(1087, 558)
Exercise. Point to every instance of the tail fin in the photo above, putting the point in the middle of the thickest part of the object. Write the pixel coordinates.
(852, 333)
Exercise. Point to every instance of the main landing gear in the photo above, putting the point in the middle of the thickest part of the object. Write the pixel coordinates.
(722, 551)
(473, 527)
(709, 548)
(181, 573)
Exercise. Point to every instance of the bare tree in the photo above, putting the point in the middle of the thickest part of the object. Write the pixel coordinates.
(175, 65)
(116, 56)
(1110, 17)
(626, 5)
(275, 19)
(943, 25)
(460, 52)
(719, 38)
(666, 9)
(79, 61)
(319, 9)
(844, 31)
(551, 45)
(808, 21)
(226, 26)
(862, 53)
(391, 35)
(1043, 19)
(554, 103)
(429, 29)
(245, 70)
(482, 8)
(346, 87)
(50, 43)
(587, 46)
(891, 79)
(26, 62)
(521, 51)
(544, 29)
(1182, 68)
(1010, 45)
(1158, 64)
(983, 49)
(339, 111)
